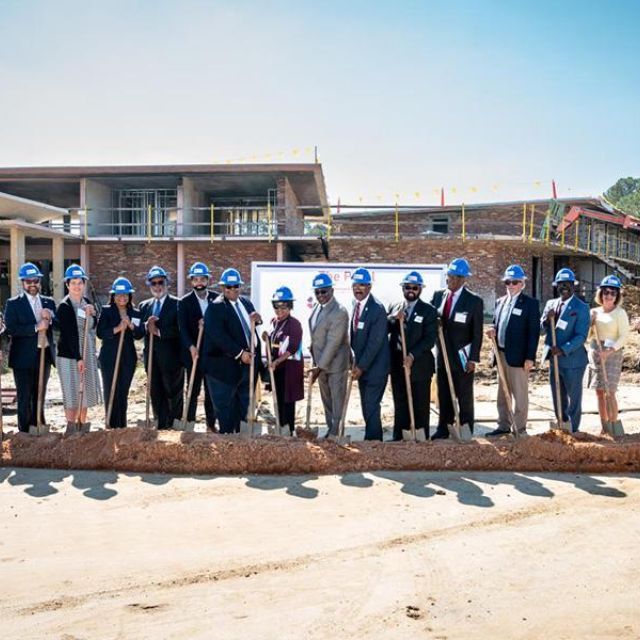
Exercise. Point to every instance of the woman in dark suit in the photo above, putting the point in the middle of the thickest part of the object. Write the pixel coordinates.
(120, 316)
(286, 356)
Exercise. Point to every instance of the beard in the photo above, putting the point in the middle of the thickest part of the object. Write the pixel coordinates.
(200, 287)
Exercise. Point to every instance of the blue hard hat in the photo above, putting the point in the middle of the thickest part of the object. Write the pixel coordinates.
(156, 272)
(565, 275)
(230, 277)
(361, 276)
(413, 277)
(514, 272)
(611, 281)
(322, 281)
(121, 285)
(74, 271)
(282, 294)
(198, 269)
(29, 270)
(459, 267)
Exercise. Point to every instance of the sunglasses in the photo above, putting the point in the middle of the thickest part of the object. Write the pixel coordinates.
(322, 292)
(280, 305)
(156, 283)
(510, 282)
(231, 286)
(609, 292)
(31, 281)
(411, 287)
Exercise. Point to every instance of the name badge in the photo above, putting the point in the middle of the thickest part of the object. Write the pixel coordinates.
(561, 324)
(418, 319)
(460, 316)
(81, 313)
(361, 324)
(136, 322)
(516, 312)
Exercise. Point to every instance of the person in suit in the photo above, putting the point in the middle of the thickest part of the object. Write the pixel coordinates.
(516, 328)
(29, 318)
(226, 357)
(572, 322)
(330, 350)
(420, 326)
(191, 310)
(115, 318)
(461, 313)
(160, 317)
(370, 347)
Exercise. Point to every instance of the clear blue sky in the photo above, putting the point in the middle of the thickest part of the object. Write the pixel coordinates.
(400, 97)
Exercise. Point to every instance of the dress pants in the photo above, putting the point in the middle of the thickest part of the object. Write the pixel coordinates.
(371, 392)
(210, 413)
(167, 385)
(518, 381)
(570, 393)
(231, 401)
(421, 392)
(121, 397)
(26, 381)
(333, 388)
(463, 385)
(286, 410)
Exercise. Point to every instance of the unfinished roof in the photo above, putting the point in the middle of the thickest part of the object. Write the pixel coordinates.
(13, 207)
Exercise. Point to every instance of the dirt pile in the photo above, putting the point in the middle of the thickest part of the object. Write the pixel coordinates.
(139, 450)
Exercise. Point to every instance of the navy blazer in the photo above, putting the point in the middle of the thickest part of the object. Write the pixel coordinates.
(69, 339)
(108, 321)
(166, 347)
(224, 339)
(523, 329)
(572, 337)
(369, 341)
(21, 326)
(189, 316)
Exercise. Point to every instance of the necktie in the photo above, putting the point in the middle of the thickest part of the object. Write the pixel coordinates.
(156, 308)
(503, 321)
(43, 341)
(317, 316)
(446, 312)
(356, 317)
(243, 322)
(559, 312)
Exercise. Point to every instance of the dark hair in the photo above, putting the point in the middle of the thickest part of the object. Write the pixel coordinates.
(598, 297)
(129, 302)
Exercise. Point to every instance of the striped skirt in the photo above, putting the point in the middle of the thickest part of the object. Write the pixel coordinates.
(613, 368)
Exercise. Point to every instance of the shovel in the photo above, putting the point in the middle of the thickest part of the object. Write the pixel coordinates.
(279, 429)
(504, 383)
(251, 427)
(307, 425)
(40, 428)
(1, 421)
(612, 427)
(148, 423)
(341, 439)
(411, 434)
(77, 424)
(460, 432)
(114, 381)
(183, 425)
(564, 425)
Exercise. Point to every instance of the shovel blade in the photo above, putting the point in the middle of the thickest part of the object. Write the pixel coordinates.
(614, 429)
(178, 425)
(341, 440)
(419, 435)
(461, 434)
(250, 431)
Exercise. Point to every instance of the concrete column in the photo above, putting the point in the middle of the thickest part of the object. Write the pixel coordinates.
(180, 268)
(279, 251)
(84, 258)
(17, 257)
(57, 257)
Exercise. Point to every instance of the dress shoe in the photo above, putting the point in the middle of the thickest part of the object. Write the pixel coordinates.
(497, 432)
(440, 435)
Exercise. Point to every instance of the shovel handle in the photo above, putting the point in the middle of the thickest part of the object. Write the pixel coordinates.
(85, 344)
(407, 381)
(147, 408)
(252, 366)
(452, 391)
(309, 392)
(605, 377)
(192, 376)
(114, 379)
(556, 373)
(272, 378)
(504, 383)
(345, 405)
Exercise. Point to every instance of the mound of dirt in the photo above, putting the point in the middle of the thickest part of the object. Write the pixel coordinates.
(139, 450)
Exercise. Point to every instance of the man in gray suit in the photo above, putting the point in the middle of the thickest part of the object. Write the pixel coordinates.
(329, 328)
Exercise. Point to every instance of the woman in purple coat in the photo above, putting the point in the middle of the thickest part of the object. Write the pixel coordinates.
(286, 355)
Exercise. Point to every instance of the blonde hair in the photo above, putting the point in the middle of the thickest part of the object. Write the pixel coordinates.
(598, 296)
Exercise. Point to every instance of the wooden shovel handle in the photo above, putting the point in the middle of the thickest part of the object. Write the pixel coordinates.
(407, 381)
(272, 378)
(309, 392)
(192, 376)
(114, 379)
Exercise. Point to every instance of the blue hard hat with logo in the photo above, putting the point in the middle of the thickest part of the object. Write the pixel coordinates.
(514, 272)
(29, 270)
(121, 285)
(565, 275)
(361, 276)
(74, 271)
(156, 272)
(198, 269)
(230, 277)
(322, 281)
(611, 281)
(413, 277)
(282, 294)
(459, 267)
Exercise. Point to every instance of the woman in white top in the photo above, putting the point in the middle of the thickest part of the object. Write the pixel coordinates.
(610, 325)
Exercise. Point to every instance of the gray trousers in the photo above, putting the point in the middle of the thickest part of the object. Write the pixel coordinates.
(333, 388)
(518, 381)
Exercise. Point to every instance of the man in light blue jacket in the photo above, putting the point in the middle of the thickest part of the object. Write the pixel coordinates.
(572, 321)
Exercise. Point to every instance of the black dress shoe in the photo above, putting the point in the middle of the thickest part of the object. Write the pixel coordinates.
(497, 432)
(440, 435)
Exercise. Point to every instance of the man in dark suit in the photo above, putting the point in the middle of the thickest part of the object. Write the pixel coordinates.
(370, 351)
(226, 354)
(516, 328)
(191, 310)
(160, 317)
(461, 312)
(420, 328)
(29, 318)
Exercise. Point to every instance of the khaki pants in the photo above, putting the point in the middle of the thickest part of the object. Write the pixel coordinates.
(518, 381)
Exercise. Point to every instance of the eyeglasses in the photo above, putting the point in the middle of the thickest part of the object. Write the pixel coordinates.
(609, 292)
(512, 282)
(322, 292)
(280, 305)
(231, 286)
(156, 283)
(31, 281)
(411, 287)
